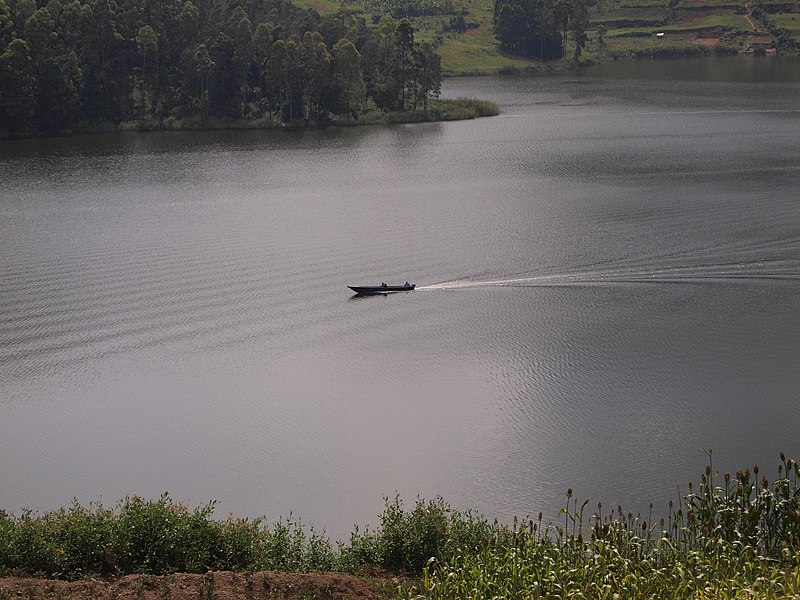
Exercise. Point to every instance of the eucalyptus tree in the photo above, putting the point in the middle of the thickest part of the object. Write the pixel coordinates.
(16, 87)
(427, 74)
(262, 52)
(405, 47)
(101, 53)
(6, 25)
(578, 23)
(316, 64)
(243, 55)
(203, 65)
(187, 25)
(538, 28)
(58, 92)
(223, 83)
(347, 76)
(286, 91)
(146, 43)
(22, 10)
(380, 61)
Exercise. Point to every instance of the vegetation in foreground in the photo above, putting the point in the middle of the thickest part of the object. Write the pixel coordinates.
(730, 536)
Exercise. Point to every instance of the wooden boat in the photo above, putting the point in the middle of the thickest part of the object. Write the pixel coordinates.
(366, 290)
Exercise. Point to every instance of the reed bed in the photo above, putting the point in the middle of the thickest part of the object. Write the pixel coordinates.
(731, 536)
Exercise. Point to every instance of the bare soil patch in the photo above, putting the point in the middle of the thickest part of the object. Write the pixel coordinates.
(711, 39)
(220, 585)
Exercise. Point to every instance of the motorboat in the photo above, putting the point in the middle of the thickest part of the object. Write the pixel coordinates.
(383, 288)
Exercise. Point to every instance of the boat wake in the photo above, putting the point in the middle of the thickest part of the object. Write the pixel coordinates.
(782, 270)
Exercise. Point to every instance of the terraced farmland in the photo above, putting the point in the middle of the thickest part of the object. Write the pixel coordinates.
(463, 29)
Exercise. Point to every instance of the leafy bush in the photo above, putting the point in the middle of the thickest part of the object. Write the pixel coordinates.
(241, 545)
(408, 540)
(161, 536)
(287, 548)
(81, 532)
(33, 548)
(6, 531)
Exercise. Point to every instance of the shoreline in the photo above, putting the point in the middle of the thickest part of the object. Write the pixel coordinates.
(439, 110)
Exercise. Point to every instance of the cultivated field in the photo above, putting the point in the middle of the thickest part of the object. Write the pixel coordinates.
(619, 28)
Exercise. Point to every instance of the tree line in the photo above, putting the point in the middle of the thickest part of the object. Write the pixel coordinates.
(539, 28)
(83, 64)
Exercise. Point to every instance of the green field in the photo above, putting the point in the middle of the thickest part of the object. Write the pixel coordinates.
(790, 21)
(618, 28)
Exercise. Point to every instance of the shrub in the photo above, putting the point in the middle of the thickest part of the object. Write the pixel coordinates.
(83, 535)
(161, 536)
(241, 545)
(286, 547)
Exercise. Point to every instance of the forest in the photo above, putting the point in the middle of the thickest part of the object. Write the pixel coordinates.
(538, 28)
(82, 65)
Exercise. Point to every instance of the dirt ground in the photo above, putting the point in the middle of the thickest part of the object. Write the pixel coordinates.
(219, 585)
(706, 41)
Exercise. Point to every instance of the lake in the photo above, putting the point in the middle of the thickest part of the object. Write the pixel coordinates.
(607, 283)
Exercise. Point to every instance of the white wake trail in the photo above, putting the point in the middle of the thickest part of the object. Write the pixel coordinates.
(774, 270)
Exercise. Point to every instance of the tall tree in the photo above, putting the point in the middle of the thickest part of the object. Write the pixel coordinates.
(16, 87)
(262, 50)
(147, 44)
(577, 24)
(530, 28)
(347, 75)
(202, 69)
(101, 52)
(380, 58)
(222, 84)
(58, 92)
(405, 46)
(243, 61)
(427, 74)
(6, 25)
(317, 73)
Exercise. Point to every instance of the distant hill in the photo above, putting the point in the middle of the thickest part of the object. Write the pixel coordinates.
(463, 29)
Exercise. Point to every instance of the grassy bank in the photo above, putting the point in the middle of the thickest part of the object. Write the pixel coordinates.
(729, 536)
(437, 110)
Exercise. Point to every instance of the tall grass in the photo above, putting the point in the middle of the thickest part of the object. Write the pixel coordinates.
(732, 535)
(437, 110)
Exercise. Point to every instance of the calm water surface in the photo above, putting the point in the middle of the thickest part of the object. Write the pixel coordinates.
(608, 278)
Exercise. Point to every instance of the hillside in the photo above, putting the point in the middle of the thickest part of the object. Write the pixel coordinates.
(462, 29)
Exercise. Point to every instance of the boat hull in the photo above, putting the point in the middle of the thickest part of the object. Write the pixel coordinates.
(368, 290)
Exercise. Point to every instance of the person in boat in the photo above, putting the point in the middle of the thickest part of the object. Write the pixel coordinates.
(383, 284)
(407, 284)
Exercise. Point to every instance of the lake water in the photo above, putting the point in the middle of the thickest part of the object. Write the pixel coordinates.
(608, 277)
